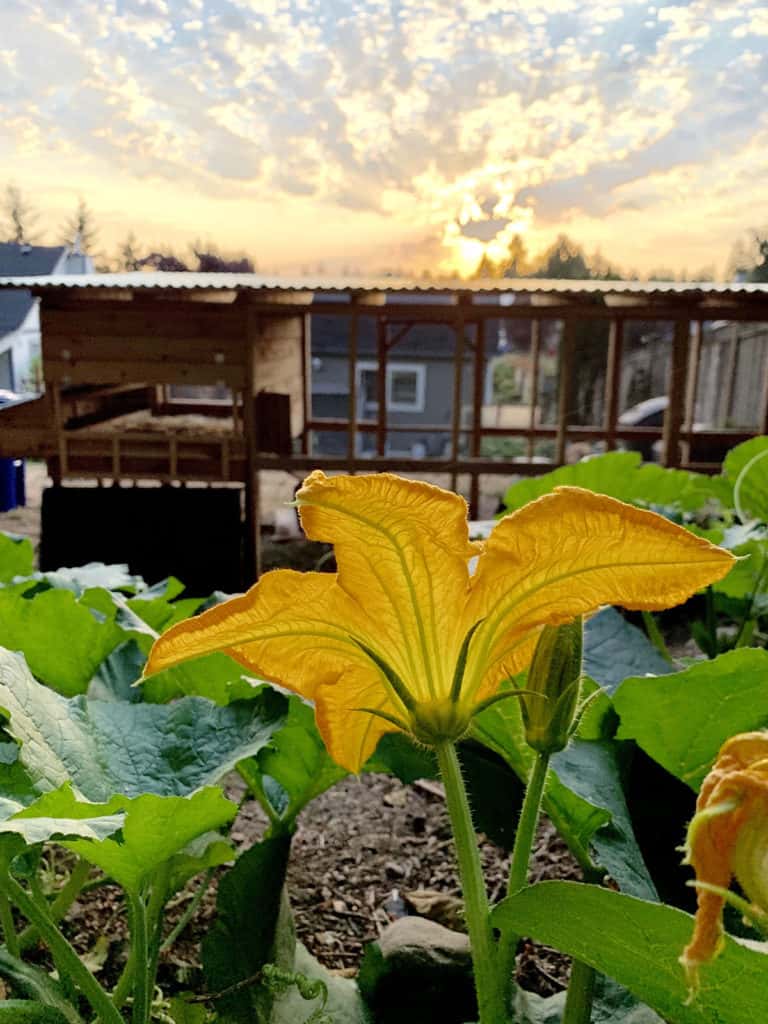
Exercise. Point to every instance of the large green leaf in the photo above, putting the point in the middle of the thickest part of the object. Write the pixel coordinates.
(61, 636)
(584, 796)
(623, 475)
(60, 813)
(17, 557)
(682, 720)
(615, 649)
(243, 936)
(86, 577)
(105, 748)
(298, 761)
(637, 943)
(156, 828)
(217, 677)
(746, 468)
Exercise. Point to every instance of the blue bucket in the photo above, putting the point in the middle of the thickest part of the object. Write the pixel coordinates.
(8, 491)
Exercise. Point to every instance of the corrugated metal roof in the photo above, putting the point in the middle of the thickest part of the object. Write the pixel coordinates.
(338, 286)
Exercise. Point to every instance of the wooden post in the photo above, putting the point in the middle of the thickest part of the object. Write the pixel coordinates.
(676, 390)
(458, 375)
(381, 386)
(252, 545)
(478, 389)
(729, 378)
(535, 363)
(353, 335)
(564, 382)
(306, 381)
(693, 388)
(613, 382)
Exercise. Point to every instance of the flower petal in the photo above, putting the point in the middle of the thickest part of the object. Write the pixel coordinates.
(402, 548)
(565, 555)
(349, 733)
(295, 629)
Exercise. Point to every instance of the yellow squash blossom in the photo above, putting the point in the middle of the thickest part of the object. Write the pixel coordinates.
(405, 631)
(727, 838)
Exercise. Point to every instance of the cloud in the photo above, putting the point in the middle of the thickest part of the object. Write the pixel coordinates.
(476, 111)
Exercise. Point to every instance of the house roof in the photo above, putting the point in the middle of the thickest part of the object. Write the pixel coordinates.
(29, 260)
(14, 309)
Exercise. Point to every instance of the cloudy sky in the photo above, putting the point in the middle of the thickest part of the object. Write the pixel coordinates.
(392, 133)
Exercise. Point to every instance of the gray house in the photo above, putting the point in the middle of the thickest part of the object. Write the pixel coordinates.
(420, 383)
(19, 311)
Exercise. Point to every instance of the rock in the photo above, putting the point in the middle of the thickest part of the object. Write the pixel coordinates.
(422, 972)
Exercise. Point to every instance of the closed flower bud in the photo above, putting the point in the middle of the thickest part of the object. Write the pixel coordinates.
(550, 706)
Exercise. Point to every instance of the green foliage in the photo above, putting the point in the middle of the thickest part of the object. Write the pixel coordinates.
(638, 943)
(242, 939)
(156, 829)
(25, 1011)
(747, 469)
(682, 720)
(131, 749)
(584, 796)
(17, 557)
(623, 475)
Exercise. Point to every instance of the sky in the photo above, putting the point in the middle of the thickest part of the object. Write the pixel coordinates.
(363, 135)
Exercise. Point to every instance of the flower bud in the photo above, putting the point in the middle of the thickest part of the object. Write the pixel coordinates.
(550, 705)
(728, 838)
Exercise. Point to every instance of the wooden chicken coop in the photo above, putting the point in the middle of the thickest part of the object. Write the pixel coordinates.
(206, 379)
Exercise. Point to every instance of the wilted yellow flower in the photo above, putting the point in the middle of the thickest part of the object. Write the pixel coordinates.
(405, 631)
(727, 838)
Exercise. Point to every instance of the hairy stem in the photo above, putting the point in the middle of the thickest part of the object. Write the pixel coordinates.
(484, 952)
(142, 991)
(521, 856)
(189, 913)
(62, 951)
(654, 635)
(581, 991)
(9, 929)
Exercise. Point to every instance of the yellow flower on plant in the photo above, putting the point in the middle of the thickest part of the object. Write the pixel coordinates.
(405, 630)
(727, 838)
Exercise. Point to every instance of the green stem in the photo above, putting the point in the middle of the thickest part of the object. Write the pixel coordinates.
(521, 856)
(62, 952)
(9, 929)
(142, 994)
(484, 952)
(189, 913)
(125, 982)
(581, 991)
(711, 622)
(69, 892)
(526, 827)
(654, 635)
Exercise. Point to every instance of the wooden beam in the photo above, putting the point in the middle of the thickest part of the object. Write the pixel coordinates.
(676, 388)
(352, 429)
(478, 389)
(613, 382)
(692, 388)
(535, 364)
(564, 385)
(306, 382)
(252, 539)
(458, 381)
(381, 386)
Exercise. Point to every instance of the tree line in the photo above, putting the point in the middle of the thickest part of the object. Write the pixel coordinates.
(20, 220)
(564, 259)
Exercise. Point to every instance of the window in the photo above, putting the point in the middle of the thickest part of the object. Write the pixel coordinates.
(406, 388)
